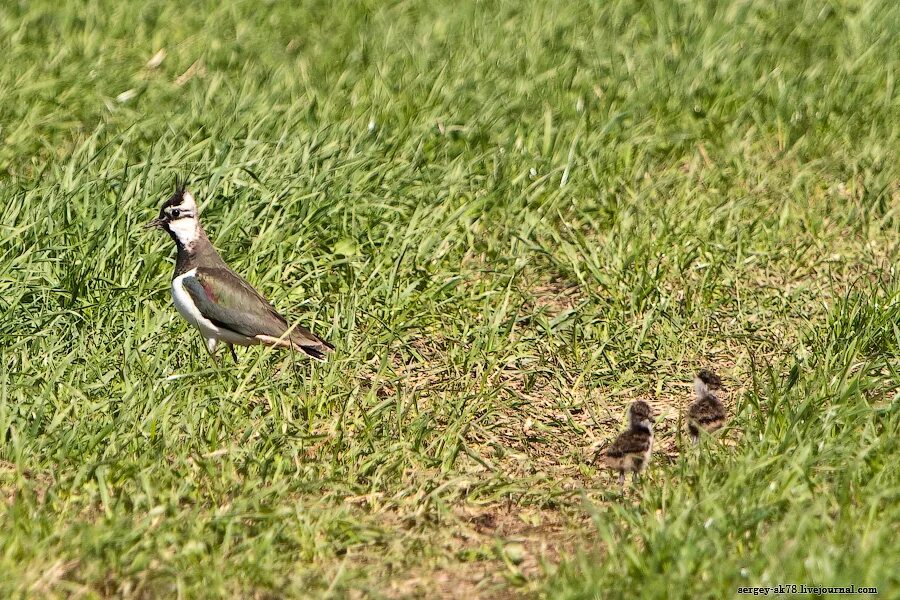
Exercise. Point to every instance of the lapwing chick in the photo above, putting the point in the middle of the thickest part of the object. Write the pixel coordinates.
(630, 452)
(706, 412)
(215, 299)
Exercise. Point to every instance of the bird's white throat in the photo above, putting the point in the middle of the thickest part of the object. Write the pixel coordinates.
(186, 230)
(700, 388)
(184, 222)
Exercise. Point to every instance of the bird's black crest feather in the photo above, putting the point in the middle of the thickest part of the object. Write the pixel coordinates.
(176, 197)
(181, 182)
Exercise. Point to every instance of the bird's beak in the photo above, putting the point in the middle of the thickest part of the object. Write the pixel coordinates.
(155, 224)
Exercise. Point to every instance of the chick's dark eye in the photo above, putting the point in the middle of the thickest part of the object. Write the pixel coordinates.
(175, 213)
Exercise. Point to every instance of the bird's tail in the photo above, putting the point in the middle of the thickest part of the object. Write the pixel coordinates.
(600, 456)
(309, 343)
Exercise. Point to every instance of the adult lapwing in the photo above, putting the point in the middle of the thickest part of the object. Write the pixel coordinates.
(215, 299)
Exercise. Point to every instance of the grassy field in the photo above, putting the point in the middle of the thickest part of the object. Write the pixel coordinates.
(512, 219)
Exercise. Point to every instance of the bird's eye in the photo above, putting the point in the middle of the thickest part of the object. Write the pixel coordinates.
(175, 213)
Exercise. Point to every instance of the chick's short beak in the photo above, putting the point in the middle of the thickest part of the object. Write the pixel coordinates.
(155, 224)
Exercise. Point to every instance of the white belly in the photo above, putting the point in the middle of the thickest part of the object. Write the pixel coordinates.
(187, 309)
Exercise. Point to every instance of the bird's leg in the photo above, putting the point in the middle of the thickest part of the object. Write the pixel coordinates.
(233, 353)
(622, 479)
(211, 348)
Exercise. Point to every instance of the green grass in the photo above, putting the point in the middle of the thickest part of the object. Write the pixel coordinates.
(511, 219)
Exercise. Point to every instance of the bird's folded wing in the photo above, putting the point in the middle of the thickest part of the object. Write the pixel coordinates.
(630, 442)
(232, 303)
(707, 409)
